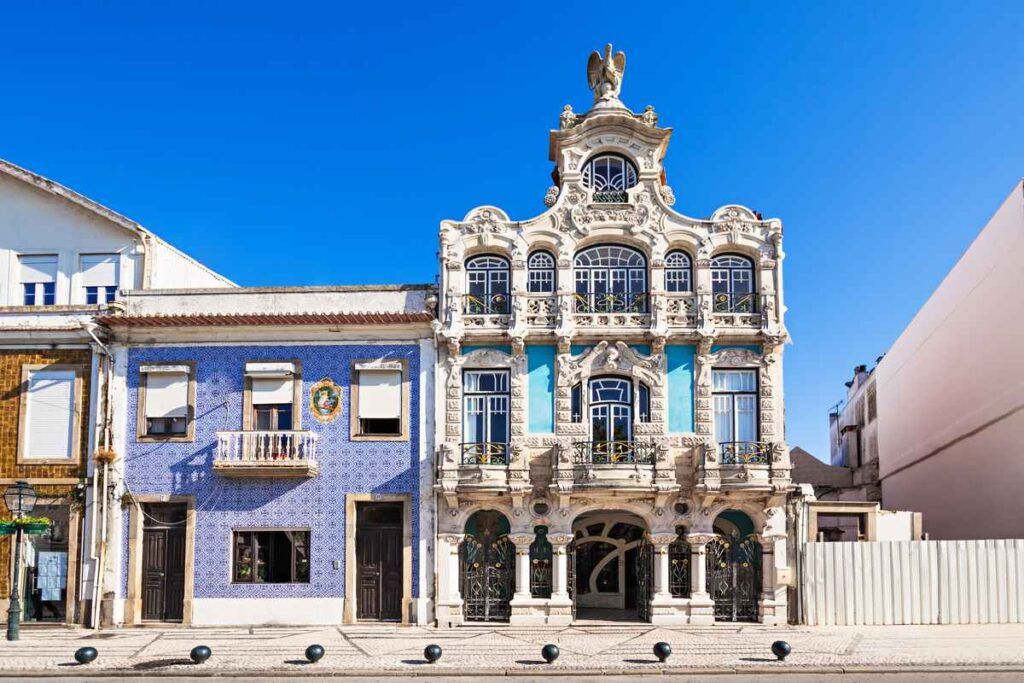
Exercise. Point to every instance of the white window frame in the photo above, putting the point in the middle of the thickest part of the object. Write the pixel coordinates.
(24, 456)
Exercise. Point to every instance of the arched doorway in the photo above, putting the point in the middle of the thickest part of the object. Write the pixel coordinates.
(487, 565)
(612, 567)
(734, 567)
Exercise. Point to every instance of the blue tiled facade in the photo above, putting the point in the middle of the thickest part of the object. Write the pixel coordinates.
(318, 503)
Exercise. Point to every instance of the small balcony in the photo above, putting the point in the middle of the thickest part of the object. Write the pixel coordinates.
(735, 309)
(483, 453)
(613, 453)
(266, 454)
(611, 309)
(745, 453)
(486, 304)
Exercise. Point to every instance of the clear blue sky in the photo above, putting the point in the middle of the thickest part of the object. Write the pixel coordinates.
(295, 143)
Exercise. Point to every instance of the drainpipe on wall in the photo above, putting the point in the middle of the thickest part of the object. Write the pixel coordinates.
(97, 489)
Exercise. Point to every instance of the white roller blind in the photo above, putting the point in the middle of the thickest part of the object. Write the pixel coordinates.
(50, 414)
(166, 394)
(38, 268)
(380, 394)
(270, 369)
(99, 270)
(271, 390)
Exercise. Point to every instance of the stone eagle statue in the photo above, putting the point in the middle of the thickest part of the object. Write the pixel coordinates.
(604, 74)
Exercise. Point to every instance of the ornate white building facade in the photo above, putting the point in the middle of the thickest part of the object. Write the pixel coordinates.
(611, 432)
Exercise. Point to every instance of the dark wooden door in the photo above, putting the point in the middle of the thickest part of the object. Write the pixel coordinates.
(379, 561)
(163, 562)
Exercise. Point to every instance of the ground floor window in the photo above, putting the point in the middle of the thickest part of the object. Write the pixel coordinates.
(279, 556)
(45, 574)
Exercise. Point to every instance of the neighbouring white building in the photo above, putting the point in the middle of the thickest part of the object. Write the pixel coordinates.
(64, 259)
(853, 437)
(951, 393)
(610, 431)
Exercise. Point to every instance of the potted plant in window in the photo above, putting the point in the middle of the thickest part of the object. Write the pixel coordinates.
(33, 525)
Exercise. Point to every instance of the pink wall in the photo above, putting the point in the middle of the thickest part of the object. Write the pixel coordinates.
(950, 442)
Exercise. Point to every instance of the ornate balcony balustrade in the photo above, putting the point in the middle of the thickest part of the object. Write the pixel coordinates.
(745, 453)
(611, 302)
(484, 453)
(486, 304)
(266, 454)
(613, 453)
(681, 309)
(541, 309)
(734, 302)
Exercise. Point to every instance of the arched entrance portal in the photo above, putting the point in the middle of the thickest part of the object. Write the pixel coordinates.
(487, 561)
(612, 567)
(734, 568)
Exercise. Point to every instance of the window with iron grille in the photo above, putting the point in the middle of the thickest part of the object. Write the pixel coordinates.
(609, 176)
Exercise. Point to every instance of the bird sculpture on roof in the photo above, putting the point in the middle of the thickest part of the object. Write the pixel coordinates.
(604, 74)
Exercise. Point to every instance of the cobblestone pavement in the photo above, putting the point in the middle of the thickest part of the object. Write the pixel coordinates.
(625, 650)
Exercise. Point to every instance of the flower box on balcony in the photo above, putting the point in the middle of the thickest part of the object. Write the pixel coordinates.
(32, 526)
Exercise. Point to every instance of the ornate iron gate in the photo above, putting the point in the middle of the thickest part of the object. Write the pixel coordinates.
(487, 567)
(644, 571)
(734, 577)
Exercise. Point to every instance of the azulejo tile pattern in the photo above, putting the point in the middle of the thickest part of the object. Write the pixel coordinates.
(223, 504)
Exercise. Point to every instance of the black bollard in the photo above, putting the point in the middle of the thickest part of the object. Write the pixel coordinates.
(314, 653)
(85, 655)
(781, 649)
(662, 651)
(549, 652)
(199, 654)
(432, 653)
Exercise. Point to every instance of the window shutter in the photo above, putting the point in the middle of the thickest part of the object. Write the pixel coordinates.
(38, 269)
(166, 393)
(271, 390)
(50, 414)
(380, 394)
(99, 270)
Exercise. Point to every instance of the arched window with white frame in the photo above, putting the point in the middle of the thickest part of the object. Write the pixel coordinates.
(487, 285)
(610, 278)
(678, 272)
(732, 284)
(540, 273)
(608, 176)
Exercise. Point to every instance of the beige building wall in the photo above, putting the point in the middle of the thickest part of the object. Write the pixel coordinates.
(951, 393)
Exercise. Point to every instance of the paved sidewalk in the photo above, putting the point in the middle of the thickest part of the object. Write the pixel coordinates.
(625, 650)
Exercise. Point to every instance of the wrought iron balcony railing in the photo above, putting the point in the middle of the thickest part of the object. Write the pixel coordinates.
(745, 453)
(611, 197)
(484, 453)
(734, 302)
(613, 453)
(611, 302)
(486, 304)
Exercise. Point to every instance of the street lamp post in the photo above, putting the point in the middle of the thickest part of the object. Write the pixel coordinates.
(20, 499)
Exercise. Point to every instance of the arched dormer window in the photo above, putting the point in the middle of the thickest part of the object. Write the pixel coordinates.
(541, 272)
(732, 284)
(609, 176)
(611, 279)
(678, 272)
(487, 280)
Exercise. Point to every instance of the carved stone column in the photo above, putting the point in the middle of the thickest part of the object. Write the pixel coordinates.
(702, 607)
(661, 542)
(560, 604)
(522, 543)
(773, 603)
(449, 603)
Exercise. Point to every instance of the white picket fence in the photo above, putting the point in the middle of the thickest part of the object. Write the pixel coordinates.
(913, 582)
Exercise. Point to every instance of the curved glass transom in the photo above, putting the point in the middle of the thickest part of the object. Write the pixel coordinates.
(609, 176)
(611, 279)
